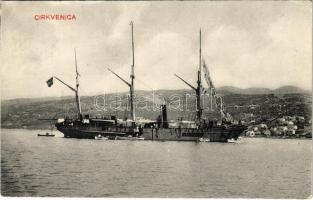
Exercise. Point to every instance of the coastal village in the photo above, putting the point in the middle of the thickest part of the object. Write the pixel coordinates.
(284, 127)
(277, 116)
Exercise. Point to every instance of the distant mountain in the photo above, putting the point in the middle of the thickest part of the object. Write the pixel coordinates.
(229, 90)
(290, 89)
(32, 100)
(163, 92)
(235, 90)
(254, 90)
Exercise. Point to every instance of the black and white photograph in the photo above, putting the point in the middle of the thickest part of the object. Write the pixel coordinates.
(156, 99)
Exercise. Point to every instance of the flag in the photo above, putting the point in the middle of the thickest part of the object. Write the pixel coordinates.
(50, 82)
(207, 75)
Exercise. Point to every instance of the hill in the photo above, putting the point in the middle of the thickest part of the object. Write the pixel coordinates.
(254, 90)
(246, 104)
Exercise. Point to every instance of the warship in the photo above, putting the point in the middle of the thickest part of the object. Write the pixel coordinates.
(201, 129)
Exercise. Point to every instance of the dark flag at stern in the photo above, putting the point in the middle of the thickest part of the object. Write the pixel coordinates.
(50, 82)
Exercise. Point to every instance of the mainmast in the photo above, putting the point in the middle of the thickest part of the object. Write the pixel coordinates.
(77, 91)
(132, 77)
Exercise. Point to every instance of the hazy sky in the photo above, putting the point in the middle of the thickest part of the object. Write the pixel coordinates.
(245, 44)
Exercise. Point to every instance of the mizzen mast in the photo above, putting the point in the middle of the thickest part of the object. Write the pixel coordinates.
(197, 89)
(199, 84)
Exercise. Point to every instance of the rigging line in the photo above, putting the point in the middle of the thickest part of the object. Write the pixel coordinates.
(70, 87)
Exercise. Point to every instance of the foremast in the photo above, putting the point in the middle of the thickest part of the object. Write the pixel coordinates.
(132, 76)
(77, 97)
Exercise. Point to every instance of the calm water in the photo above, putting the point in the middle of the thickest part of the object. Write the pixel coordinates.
(43, 166)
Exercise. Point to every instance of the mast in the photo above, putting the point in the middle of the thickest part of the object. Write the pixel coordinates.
(132, 76)
(77, 98)
(200, 56)
(79, 109)
(199, 86)
(197, 89)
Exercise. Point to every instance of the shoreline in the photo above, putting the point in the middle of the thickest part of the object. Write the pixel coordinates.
(243, 136)
(279, 137)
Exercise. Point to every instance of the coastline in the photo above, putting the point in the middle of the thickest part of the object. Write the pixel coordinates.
(243, 136)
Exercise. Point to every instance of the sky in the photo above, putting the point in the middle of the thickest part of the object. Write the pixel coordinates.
(244, 43)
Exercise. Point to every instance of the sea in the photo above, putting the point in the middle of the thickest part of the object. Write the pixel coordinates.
(33, 166)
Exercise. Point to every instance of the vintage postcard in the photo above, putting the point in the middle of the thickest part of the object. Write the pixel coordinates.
(143, 99)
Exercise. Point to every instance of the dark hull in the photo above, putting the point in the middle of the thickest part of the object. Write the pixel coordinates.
(90, 132)
(215, 134)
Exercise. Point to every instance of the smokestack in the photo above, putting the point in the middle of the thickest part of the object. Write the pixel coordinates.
(164, 116)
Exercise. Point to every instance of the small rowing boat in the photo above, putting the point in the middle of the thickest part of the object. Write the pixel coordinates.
(204, 140)
(100, 137)
(46, 135)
